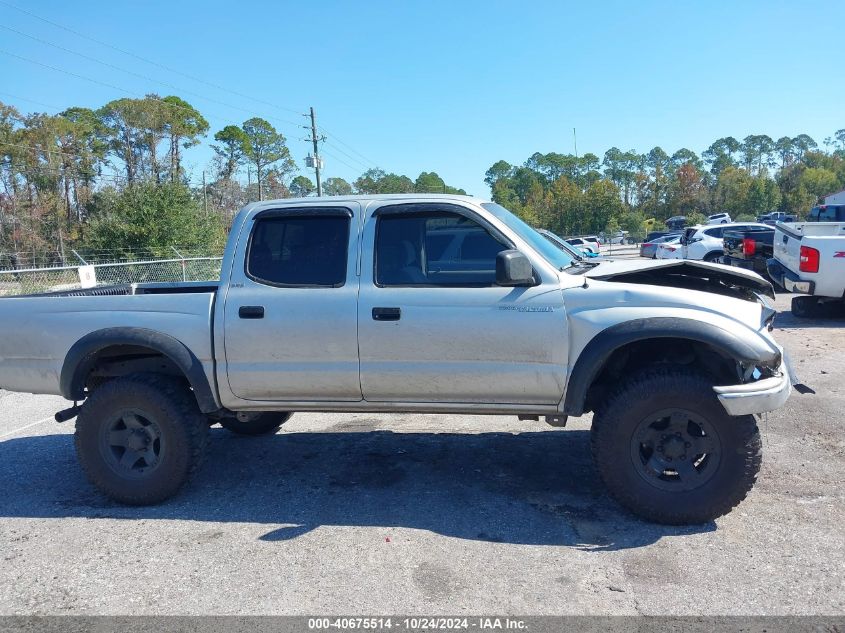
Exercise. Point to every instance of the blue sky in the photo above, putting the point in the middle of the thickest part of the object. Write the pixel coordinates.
(451, 86)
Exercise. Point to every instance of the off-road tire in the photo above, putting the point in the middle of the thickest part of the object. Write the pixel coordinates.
(265, 424)
(182, 431)
(805, 307)
(809, 307)
(614, 446)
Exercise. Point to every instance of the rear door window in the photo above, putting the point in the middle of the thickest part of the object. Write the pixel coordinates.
(299, 251)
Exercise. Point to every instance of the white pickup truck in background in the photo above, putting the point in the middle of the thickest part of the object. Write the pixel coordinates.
(809, 258)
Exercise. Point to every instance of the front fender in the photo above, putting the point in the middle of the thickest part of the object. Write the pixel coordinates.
(595, 354)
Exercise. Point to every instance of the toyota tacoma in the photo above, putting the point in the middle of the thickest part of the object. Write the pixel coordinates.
(429, 304)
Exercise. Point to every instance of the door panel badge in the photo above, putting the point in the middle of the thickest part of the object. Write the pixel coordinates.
(527, 308)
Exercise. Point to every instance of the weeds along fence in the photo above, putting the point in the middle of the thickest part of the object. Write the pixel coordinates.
(33, 280)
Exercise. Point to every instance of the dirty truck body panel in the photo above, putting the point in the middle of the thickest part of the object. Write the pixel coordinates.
(32, 359)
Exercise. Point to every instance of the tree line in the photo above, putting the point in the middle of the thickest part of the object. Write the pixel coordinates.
(572, 194)
(111, 183)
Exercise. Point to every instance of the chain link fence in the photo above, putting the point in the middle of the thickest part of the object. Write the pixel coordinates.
(61, 278)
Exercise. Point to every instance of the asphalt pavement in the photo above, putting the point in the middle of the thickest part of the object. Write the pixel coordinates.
(386, 514)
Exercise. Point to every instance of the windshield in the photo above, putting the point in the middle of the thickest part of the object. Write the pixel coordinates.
(544, 247)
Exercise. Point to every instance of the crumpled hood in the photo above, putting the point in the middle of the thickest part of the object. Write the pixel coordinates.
(684, 273)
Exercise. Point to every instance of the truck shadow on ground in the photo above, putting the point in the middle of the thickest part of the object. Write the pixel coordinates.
(536, 488)
(788, 321)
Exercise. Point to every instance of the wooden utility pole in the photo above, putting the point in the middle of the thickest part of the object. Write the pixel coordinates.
(204, 194)
(315, 140)
(61, 245)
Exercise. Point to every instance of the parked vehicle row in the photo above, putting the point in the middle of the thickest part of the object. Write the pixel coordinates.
(803, 257)
(705, 243)
(562, 244)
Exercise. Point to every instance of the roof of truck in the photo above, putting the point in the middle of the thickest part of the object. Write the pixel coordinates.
(359, 198)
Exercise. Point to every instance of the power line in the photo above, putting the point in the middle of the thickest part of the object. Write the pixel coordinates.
(97, 81)
(349, 156)
(41, 103)
(158, 100)
(41, 170)
(148, 61)
(167, 68)
(340, 160)
(44, 170)
(40, 149)
(139, 75)
(337, 138)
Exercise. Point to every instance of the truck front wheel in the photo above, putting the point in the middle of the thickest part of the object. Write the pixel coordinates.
(667, 450)
(140, 437)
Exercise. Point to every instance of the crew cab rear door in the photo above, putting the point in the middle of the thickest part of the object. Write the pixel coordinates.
(290, 314)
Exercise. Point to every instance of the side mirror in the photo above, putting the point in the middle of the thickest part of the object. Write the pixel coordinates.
(513, 269)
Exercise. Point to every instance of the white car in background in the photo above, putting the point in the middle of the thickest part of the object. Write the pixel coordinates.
(589, 243)
(705, 243)
(669, 249)
(718, 218)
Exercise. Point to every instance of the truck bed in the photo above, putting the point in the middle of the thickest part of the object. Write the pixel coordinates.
(46, 325)
(827, 239)
(740, 253)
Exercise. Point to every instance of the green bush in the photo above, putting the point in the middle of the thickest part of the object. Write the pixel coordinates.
(150, 218)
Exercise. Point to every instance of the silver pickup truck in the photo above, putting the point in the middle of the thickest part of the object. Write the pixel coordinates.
(431, 304)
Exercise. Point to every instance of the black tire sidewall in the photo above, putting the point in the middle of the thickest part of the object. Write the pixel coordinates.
(808, 307)
(163, 404)
(613, 430)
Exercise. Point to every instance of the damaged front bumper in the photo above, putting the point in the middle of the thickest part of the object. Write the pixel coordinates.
(759, 396)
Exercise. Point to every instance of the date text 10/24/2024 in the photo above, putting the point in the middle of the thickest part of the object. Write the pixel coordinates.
(417, 623)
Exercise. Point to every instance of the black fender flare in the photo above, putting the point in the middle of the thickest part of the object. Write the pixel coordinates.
(83, 354)
(594, 356)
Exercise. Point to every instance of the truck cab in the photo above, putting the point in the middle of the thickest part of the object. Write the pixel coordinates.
(827, 213)
(296, 274)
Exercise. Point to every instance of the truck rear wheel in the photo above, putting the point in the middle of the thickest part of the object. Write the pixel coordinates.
(140, 437)
(265, 423)
(806, 307)
(668, 451)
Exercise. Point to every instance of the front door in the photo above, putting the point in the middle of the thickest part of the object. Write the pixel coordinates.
(290, 315)
(434, 327)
